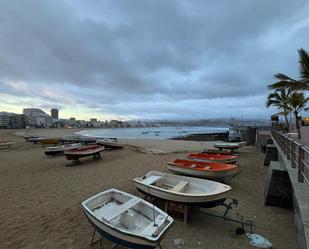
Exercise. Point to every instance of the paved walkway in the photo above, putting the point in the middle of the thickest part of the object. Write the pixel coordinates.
(304, 130)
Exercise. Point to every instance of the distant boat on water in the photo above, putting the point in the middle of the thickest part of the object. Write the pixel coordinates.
(149, 133)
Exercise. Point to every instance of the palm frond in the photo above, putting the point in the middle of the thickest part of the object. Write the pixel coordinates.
(304, 65)
(283, 77)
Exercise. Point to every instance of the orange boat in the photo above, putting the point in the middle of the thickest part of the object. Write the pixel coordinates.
(209, 170)
(83, 151)
(218, 158)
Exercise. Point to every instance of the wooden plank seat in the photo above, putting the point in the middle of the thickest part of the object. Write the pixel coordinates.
(180, 186)
(120, 209)
(151, 229)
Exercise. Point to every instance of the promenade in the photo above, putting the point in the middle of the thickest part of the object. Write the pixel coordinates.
(304, 130)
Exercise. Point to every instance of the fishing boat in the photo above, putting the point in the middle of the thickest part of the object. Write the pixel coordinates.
(181, 189)
(229, 146)
(219, 158)
(208, 170)
(217, 151)
(127, 220)
(110, 143)
(79, 139)
(56, 150)
(49, 141)
(83, 151)
(35, 139)
(6, 143)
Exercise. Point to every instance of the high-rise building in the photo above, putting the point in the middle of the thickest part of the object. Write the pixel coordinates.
(12, 120)
(54, 113)
(4, 120)
(37, 118)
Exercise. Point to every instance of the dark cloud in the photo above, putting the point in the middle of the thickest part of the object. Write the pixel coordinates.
(129, 55)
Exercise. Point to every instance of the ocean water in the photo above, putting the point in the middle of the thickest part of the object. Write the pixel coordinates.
(151, 133)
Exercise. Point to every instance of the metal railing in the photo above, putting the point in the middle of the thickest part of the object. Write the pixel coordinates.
(297, 153)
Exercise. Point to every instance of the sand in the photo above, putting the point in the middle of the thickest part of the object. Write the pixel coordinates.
(40, 198)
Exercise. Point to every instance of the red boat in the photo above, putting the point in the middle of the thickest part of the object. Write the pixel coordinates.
(209, 170)
(6, 143)
(84, 151)
(219, 158)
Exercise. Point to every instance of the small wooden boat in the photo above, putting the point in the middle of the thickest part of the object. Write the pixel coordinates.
(35, 139)
(214, 158)
(209, 170)
(6, 143)
(110, 143)
(83, 151)
(127, 220)
(229, 146)
(79, 139)
(49, 141)
(217, 151)
(56, 150)
(182, 189)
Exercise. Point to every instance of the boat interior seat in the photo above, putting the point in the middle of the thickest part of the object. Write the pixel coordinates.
(120, 209)
(180, 186)
(151, 179)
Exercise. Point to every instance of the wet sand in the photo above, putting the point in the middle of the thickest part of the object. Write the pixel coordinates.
(40, 205)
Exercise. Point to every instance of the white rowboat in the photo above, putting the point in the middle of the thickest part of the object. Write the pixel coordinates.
(231, 146)
(110, 143)
(181, 188)
(126, 219)
(54, 150)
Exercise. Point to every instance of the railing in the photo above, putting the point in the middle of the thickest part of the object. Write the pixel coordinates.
(297, 153)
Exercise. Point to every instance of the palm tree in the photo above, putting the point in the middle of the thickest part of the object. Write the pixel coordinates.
(297, 103)
(280, 99)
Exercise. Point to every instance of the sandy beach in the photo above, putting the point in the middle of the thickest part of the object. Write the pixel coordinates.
(41, 197)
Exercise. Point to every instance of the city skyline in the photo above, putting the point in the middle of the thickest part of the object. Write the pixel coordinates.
(147, 60)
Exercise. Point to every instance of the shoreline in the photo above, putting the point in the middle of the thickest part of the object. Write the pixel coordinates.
(41, 197)
(157, 146)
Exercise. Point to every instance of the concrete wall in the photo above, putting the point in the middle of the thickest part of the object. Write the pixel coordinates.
(300, 194)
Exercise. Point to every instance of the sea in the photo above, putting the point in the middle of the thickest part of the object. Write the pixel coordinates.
(151, 132)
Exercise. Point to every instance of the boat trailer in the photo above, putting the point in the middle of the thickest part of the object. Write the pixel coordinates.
(200, 207)
(228, 206)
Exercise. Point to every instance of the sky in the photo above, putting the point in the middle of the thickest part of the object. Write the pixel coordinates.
(141, 59)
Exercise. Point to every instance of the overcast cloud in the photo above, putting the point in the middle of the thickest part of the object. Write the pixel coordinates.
(157, 59)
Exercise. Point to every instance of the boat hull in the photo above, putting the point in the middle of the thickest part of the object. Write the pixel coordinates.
(217, 158)
(4, 144)
(227, 161)
(109, 144)
(175, 198)
(102, 215)
(58, 150)
(118, 237)
(212, 175)
(181, 197)
(83, 151)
